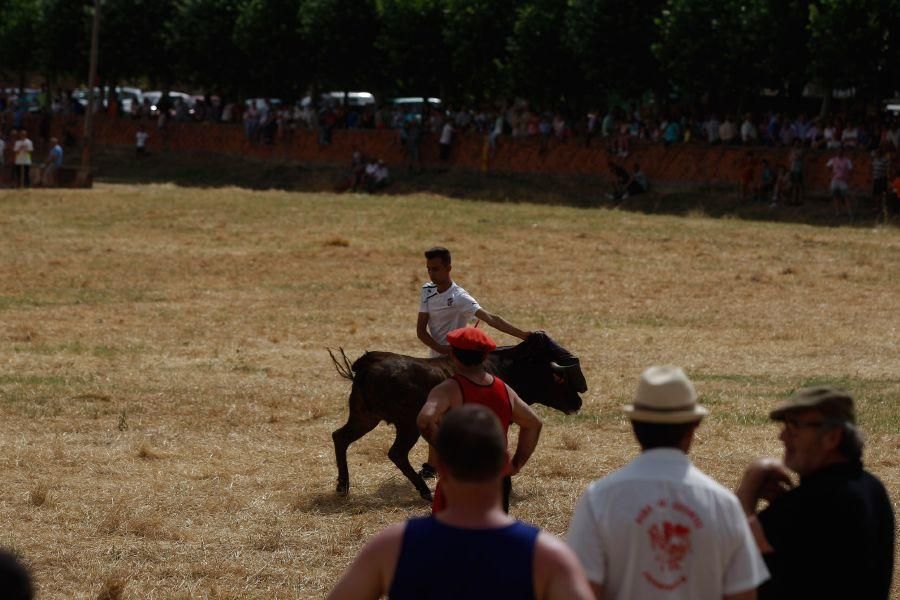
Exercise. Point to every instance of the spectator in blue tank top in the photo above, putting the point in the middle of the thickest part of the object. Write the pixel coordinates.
(480, 550)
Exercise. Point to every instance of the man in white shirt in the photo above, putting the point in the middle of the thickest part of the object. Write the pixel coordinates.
(445, 306)
(659, 528)
(23, 149)
(446, 140)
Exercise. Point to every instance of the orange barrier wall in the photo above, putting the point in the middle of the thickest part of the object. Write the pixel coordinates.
(683, 164)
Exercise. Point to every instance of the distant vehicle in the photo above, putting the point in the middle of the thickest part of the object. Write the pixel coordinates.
(259, 103)
(128, 96)
(27, 96)
(356, 99)
(154, 97)
(417, 104)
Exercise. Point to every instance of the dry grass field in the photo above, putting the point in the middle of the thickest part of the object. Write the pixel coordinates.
(167, 400)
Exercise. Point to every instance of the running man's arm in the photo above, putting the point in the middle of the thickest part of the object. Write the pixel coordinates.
(501, 324)
(371, 574)
(529, 430)
(425, 337)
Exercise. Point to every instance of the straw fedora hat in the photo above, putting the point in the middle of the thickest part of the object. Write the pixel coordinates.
(665, 395)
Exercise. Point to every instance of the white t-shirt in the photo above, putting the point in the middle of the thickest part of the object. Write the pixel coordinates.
(446, 134)
(447, 311)
(2, 150)
(23, 150)
(140, 138)
(660, 529)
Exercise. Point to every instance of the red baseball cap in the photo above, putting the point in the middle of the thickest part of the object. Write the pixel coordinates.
(471, 338)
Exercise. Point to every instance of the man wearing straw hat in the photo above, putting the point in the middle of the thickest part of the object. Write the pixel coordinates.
(659, 527)
(473, 549)
(832, 536)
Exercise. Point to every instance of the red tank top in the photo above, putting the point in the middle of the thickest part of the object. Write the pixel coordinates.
(495, 397)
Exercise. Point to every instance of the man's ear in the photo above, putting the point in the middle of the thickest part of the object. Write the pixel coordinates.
(831, 439)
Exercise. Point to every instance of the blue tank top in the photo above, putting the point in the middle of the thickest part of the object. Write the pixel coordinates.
(438, 561)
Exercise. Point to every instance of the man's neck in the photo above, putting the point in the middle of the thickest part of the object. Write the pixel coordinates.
(473, 506)
(441, 288)
(475, 374)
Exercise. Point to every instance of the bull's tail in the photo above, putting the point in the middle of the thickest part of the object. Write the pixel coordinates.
(343, 366)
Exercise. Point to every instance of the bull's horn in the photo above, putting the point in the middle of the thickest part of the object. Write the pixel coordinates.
(558, 368)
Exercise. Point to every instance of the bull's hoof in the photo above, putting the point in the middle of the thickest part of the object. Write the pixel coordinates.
(342, 488)
(427, 471)
(426, 495)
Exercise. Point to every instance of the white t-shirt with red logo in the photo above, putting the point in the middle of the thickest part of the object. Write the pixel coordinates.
(449, 310)
(660, 528)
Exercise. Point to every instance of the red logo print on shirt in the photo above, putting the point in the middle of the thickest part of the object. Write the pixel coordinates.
(670, 541)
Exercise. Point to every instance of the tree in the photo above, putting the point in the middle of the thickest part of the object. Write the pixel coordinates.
(612, 42)
(476, 32)
(542, 67)
(202, 36)
(341, 37)
(853, 43)
(64, 38)
(268, 33)
(714, 48)
(416, 60)
(19, 41)
(134, 41)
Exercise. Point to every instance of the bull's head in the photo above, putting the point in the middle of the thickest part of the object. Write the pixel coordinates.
(542, 372)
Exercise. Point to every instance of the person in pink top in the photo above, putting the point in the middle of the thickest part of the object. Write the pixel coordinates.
(840, 167)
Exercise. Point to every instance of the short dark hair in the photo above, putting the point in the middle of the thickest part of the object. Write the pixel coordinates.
(470, 442)
(469, 358)
(661, 435)
(14, 578)
(438, 252)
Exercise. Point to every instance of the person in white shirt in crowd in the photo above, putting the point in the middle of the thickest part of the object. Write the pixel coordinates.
(748, 130)
(23, 149)
(445, 306)
(446, 140)
(2, 153)
(140, 141)
(659, 528)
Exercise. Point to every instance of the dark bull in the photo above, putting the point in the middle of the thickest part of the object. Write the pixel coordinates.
(393, 387)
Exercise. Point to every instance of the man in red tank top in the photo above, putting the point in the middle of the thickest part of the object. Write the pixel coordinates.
(472, 384)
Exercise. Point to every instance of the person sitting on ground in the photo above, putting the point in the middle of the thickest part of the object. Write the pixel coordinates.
(831, 536)
(620, 180)
(377, 176)
(471, 550)
(636, 184)
(660, 528)
(472, 384)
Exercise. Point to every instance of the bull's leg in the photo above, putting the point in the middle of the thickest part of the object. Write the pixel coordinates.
(357, 426)
(407, 436)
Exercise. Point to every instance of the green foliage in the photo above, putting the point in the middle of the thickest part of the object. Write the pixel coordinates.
(612, 41)
(19, 36)
(198, 27)
(555, 53)
(416, 60)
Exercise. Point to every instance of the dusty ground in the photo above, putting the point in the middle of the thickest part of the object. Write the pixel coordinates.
(167, 400)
